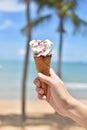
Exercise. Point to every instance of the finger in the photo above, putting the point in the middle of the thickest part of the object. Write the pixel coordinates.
(42, 97)
(40, 90)
(52, 73)
(37, 82)
(48, 94)
(44, 78)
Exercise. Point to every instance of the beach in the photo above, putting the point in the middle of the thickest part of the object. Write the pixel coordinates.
(39, 116)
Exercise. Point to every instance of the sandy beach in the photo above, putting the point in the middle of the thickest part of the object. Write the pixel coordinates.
(39, 116)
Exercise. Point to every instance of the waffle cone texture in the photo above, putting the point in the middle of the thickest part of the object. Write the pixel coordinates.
(43, 66)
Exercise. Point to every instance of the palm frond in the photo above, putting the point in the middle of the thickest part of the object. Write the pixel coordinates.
(40, 20)
(75, 19)
(77, 22)
(49, 3)
(24, 30)
(36, 22)
(63, 7)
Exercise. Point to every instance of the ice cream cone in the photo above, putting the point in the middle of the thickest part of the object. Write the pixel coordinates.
(43, 66)
(42, 51)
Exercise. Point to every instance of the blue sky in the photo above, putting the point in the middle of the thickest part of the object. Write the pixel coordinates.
(13, 42)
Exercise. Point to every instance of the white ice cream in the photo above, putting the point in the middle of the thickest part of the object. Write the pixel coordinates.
(41, 48)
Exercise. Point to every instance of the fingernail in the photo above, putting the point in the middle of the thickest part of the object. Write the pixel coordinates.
(41, 92)
(44, 97)
(37, 83)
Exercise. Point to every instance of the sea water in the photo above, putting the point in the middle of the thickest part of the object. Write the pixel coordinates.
(74, 74)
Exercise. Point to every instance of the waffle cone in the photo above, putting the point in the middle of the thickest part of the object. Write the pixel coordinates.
(43, 66)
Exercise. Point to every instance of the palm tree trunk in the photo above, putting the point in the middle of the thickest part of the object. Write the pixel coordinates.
(26, 60)
(60, 48)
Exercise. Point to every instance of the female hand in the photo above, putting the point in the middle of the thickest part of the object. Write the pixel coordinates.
(57, 94)
(59, 98)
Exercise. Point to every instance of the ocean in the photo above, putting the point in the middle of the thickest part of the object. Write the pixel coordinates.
(74, 75)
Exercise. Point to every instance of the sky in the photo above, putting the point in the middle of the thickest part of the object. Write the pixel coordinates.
(13, 42)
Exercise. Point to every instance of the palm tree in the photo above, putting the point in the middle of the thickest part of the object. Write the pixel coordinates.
(27, 29)
(27, 2)
(65, 10)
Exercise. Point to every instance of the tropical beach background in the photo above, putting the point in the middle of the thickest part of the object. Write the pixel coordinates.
(13, 39)
(74, 75)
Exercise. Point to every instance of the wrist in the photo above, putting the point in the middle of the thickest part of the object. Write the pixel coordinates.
(71, 105)
(77, 111)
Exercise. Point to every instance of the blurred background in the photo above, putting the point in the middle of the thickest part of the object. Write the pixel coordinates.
(64, 22)
(13, 47)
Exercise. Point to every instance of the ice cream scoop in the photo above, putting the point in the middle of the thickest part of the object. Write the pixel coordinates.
(41, 47)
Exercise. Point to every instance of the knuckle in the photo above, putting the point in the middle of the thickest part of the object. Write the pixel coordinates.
(39, 96)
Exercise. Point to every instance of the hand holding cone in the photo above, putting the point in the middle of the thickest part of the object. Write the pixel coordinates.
(43, 66)
(42, 51)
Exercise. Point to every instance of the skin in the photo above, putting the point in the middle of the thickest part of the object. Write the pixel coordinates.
(60, 99)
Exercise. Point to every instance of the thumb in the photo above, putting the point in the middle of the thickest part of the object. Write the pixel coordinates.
(44, 78)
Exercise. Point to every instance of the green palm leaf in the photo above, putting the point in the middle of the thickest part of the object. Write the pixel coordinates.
(36, 22)
(40, 20)
(77, 22)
